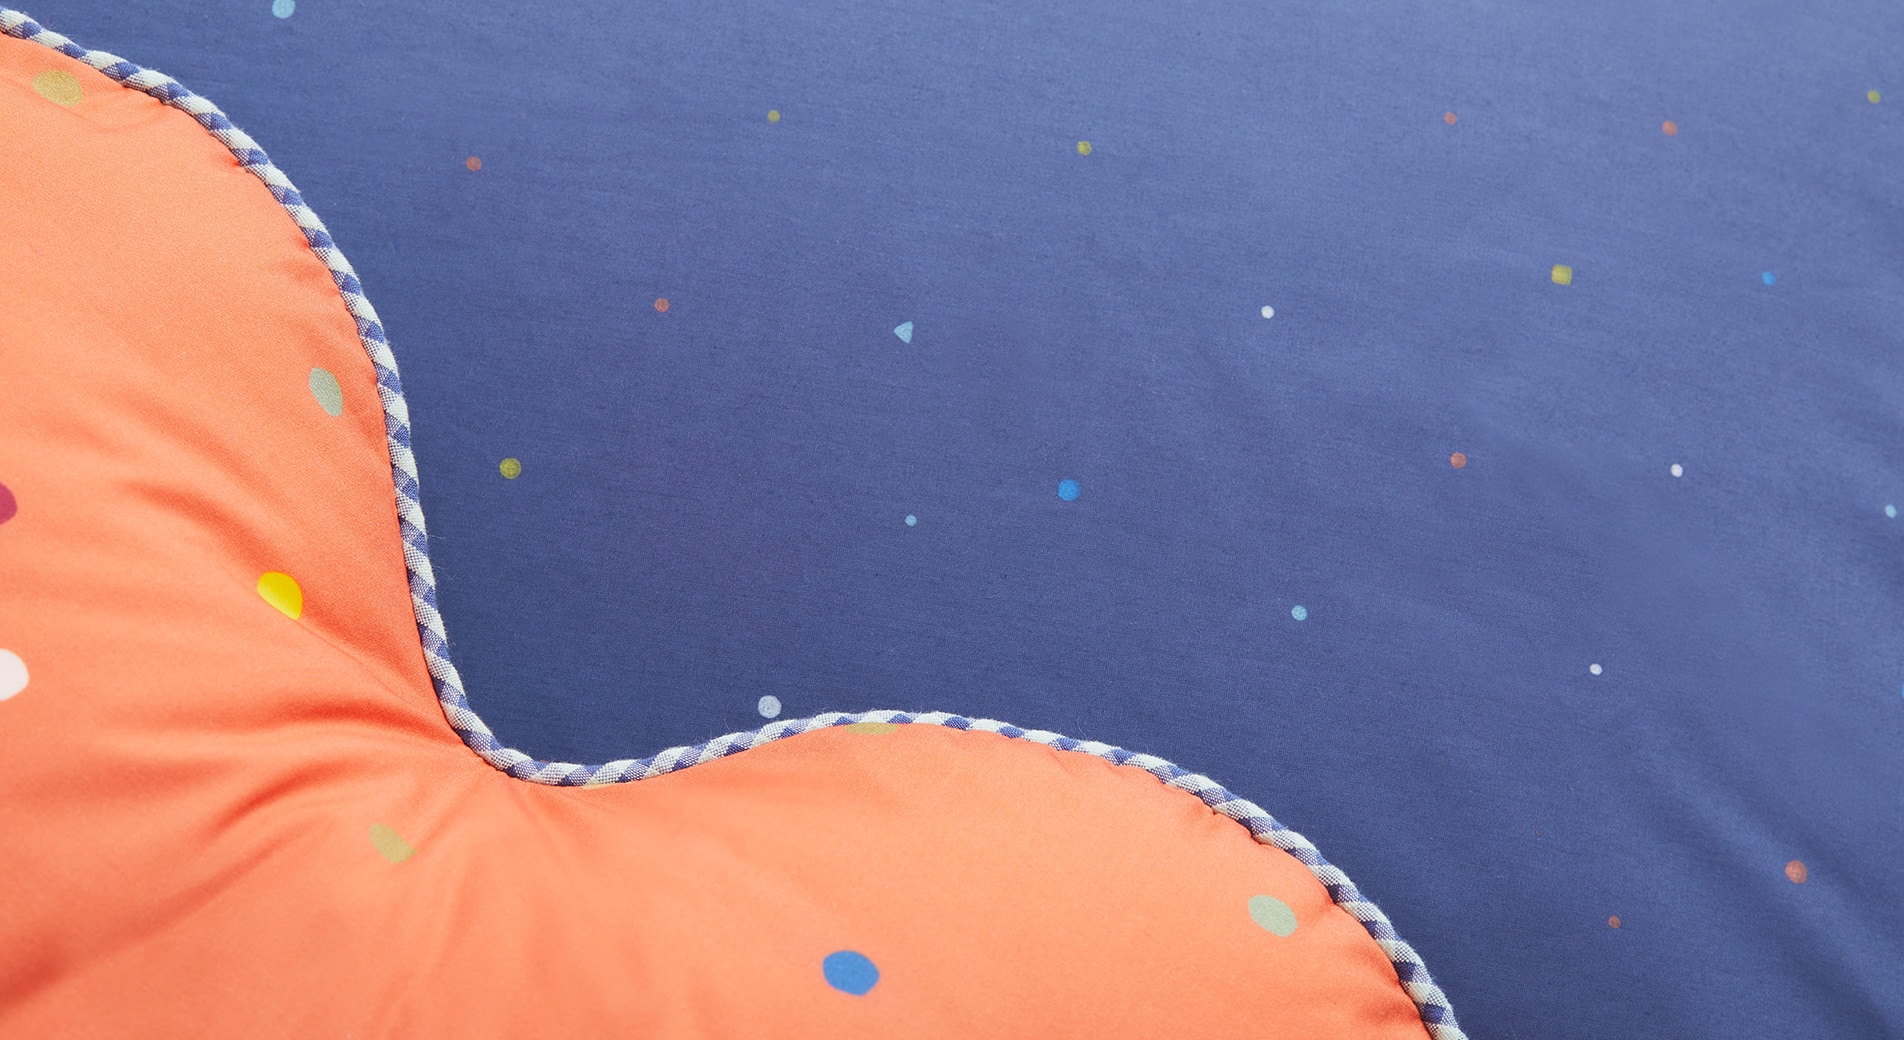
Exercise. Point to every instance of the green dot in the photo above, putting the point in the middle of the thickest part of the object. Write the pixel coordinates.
(1273, 915)
(324, 387)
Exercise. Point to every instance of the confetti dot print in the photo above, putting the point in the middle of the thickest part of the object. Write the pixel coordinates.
(1449, 118)
(904, 331)
(1873, 96)
(284, 8)
(1299, 612)
(1458, 460)
(1795, 872)
(1084, 148)
(1562, 274)
(769, 707)
(661, 305)
(1768, 278)
(9, 506)
(1613, 922)
(389, 844)
(1890, 511)
(1593, 669)
(1273, 915)
(773, 115)
(324, 387)
(510, 468)
(911, 520)
(1677, 470)
(1268, 311)
(59, 86)
(850, 972)
(12, 674)
(473, 164)
(282, 592)
(1069, 490)
(1669, 128)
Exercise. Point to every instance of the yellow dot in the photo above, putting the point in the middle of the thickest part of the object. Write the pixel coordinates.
(61, 87)
(872, 727)
(1084, 148)
(773, 115)
(281, 591)
(511, 468)
(1563, 275)
(1870, 95)
(390, 845)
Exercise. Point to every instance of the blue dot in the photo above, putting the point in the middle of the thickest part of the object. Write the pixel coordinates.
(1068, 490)
(1299, 612)
(283, 8)
(1768, 278)
(1891, 511)
(849, 972)
(911, 520)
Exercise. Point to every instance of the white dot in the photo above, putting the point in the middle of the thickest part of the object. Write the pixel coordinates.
(1678, 470)
(1594, 668)
(1268, 311)
(911, 520)
(12, 674)
(769, 707)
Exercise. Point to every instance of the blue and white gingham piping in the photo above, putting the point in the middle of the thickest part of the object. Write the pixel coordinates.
(1436, 1014)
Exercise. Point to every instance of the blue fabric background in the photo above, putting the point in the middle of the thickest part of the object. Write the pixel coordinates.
(712, 501)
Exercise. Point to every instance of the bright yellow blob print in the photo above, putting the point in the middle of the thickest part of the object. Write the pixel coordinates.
(1563, 275)
(1084, 148)
(773, 115)
(511, 468)
(282, 592)
(390, 845)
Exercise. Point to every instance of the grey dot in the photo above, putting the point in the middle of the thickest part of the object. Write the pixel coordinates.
(769, 707)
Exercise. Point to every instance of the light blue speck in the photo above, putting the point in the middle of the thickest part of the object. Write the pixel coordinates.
(904, 331)
(284, 8)
(1068, 490)
(911, 520)
(1891, 511)
(1768, 278)
(1299, 612)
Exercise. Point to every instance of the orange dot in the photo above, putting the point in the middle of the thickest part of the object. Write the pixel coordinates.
(1457, 460)
(1448, 118)
(661, 305)
(1613, 922)
(473, 163)
(1669, 128)
(1796, 872)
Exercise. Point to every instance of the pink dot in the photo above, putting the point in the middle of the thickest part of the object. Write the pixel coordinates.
(8, 505)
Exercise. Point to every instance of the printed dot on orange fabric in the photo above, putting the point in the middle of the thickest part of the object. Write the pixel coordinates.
(661, 305)
(9, 506)
(1273, 915)
(282, 592)
(324, 387)
(1613, 922)
(850, 971)
(389, 844)
(1795, 872)
(1458, 460)
(1449, 118)
(59, 86)
(1669, 128)
(473, 163)
(12, 674)
(871, 727)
